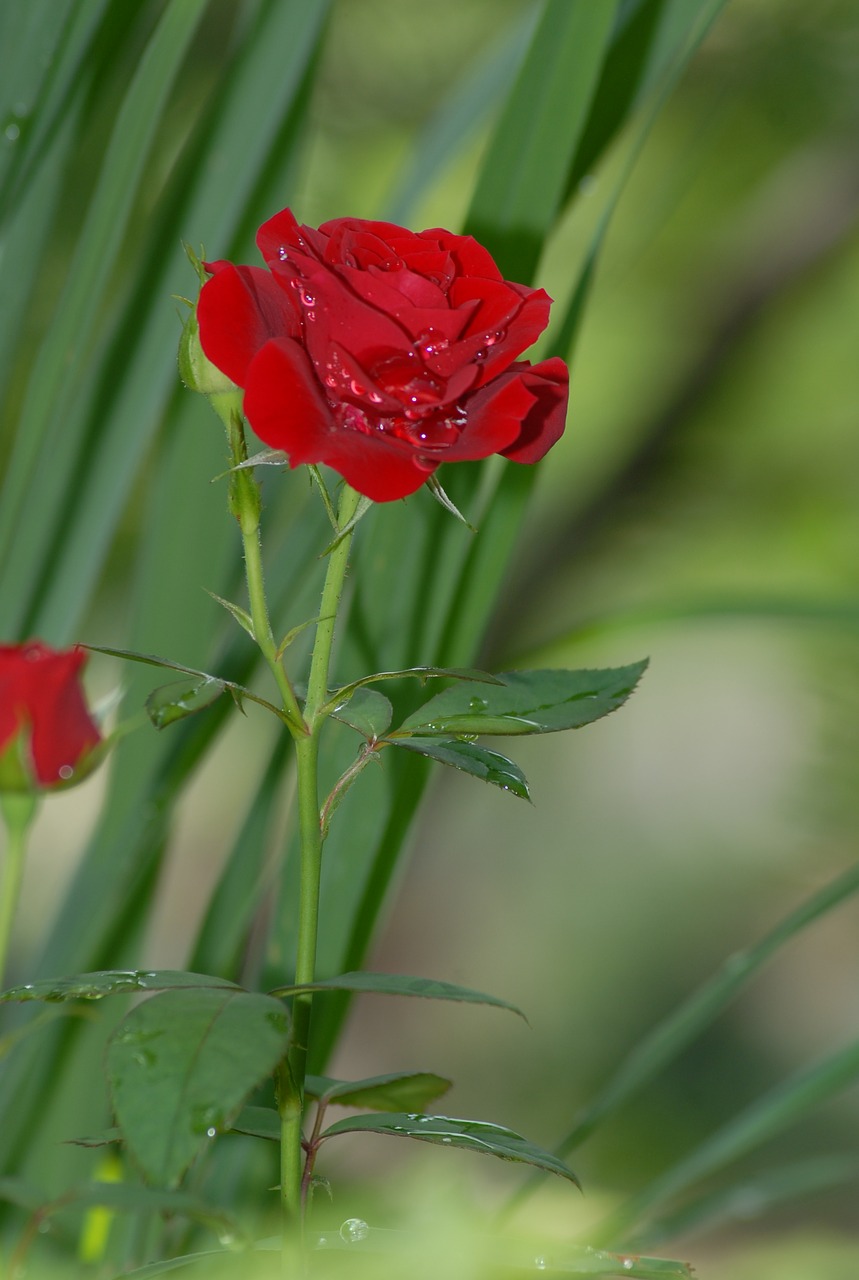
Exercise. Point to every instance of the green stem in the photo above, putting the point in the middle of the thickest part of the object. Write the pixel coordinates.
(291, 1078)
(18, 812)
(245, 504)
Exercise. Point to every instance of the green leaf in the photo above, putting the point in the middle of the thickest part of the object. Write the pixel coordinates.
(401, 1090)
(114, 982)
(181, 698)
(398, 984)
(152, 660)
(179, 1067)
(525, 702)
(474, 1135)
(366, 710)
(470, 758)
(420, 673)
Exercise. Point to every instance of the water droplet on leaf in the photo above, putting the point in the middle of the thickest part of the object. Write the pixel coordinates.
(353, 1230)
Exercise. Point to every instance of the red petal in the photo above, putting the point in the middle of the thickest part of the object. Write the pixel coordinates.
(239, 310)
(284, 402)
(285, 407)
(62, 730)
(544, 424)
(471, 258)
(494, 417)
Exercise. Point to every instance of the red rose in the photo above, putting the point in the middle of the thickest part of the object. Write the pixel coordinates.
(382, 352)
(47, 737)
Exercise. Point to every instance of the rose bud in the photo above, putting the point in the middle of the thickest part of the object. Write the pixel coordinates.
(48, 740)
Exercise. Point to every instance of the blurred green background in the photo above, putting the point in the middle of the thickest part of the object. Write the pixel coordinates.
(702, 509)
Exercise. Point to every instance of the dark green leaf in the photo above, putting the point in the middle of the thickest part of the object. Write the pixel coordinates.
(366, 710)
(180, 1065)
(398, 984)
(525, 702)
(422, 674)
(474, 1135)
(470, 758)
(113, 982)
(175, 701)
(415, 1089)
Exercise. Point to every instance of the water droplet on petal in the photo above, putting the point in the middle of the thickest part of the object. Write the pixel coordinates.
(283, 253)
(66, 770)
(354, 1230)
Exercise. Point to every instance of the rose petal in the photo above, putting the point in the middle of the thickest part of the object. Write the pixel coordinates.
(494, 417)
(471, 258)
(284, 402)
(62, 730)
(548, 383)
(239, 309)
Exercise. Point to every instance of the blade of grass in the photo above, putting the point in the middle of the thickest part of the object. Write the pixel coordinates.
(671, 1036)
(42, 435)
(521, 183)
(782, 1107)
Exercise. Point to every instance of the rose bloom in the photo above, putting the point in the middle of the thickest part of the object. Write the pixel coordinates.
(47, 737)
(382, 352)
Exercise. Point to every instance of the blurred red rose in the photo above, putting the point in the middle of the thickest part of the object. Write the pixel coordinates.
(47, 737)
(382, 352)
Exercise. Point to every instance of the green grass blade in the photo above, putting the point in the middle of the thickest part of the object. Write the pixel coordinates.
(778, 1110)
(763, 1193)
(42, 434)
(671, 1036)
(522, 182)
(459, 118)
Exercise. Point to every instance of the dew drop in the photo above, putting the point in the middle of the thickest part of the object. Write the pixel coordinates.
(66, 770)
(356, 388)
(540, 1263)
(446, 1140)
(628, 1264)
(308, 298)
(477, 704)
(283, 253)
(353, 1230)
(211, 1132)
(13, 132)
